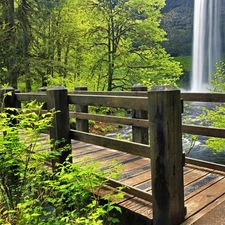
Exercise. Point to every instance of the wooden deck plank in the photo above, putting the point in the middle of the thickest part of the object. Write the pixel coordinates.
(146, 211)
(135, 203)
(204, 211)
(141, 180)
(204, 198)
(203, 188)
(193, 176)
(209, 184)
(138, 178)
(123, 159)
(136, 164)
(97, 155)
(84, 151)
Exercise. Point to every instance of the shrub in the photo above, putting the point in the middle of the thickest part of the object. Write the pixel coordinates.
(30, 192)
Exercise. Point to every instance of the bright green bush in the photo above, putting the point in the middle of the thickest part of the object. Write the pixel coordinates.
(30, 192)
(216, 117)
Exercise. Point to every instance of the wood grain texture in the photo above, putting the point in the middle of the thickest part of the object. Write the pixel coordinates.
(111, 119)
(60, 130)
(166, 155)
(82, 124)
(204, 131)
(203, 97)
(205, 164)
(109, 101)
(40, 97)
(139, 134)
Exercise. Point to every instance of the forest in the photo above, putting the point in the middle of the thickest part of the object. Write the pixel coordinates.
(104, 44)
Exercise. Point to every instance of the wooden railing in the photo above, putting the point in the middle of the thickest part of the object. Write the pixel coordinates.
(158, 110)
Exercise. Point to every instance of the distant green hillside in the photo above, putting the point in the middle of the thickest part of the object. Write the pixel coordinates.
(185, 61)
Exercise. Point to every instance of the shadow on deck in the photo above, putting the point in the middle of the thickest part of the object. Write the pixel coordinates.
(203, 188)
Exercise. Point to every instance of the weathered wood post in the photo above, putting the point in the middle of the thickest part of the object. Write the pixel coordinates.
(166, 155)
(139, 134)
(10, 100)
(81, 125)
(60, 132)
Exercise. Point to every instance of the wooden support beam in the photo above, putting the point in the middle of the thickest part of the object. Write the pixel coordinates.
(139, 134)
(43, 90)
(111, 119)
(124, 102)
(166, 155)
(40, 97)
(81, 124)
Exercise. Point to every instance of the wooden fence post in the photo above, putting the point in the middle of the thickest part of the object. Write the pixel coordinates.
(166, 155)
(17, 102)
(43, 90)
(60, 132)
(10, 100)
(139, 134)
(81, 125)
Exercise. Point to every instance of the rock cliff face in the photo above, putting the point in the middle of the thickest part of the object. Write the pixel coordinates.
(171, 4)
(177, 21)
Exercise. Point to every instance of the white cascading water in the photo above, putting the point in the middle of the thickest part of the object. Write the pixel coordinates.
(206, 43)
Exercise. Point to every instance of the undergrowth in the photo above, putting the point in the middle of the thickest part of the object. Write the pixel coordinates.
(31, 193)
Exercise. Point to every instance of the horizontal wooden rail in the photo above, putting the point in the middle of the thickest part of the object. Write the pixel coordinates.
(204, 131)
(186, 96)
(110, 101)
(203, 97)
(206, 164)
(130, 190)
(111, 93)
(123, 146)
(111, 119)
(194, 97)
(40, 97)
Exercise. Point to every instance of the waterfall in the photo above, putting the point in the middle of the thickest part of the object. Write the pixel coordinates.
(206, 42)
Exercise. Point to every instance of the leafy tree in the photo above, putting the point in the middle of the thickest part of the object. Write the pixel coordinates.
(38, 40)
(104, 44)
(8, 43)
(125, 39)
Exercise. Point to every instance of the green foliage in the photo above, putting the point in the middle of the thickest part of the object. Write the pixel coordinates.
(105, 45)
(216, 117)
(218, 81)
(185, 61)
(30, 192)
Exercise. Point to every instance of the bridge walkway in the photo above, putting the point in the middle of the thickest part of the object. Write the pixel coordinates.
(203, 188)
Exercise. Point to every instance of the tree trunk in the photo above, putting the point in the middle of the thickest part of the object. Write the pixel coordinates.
(26, 41)
(12, 45)
(111, 48)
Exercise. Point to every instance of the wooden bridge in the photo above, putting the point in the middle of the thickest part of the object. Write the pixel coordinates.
(162, 185)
